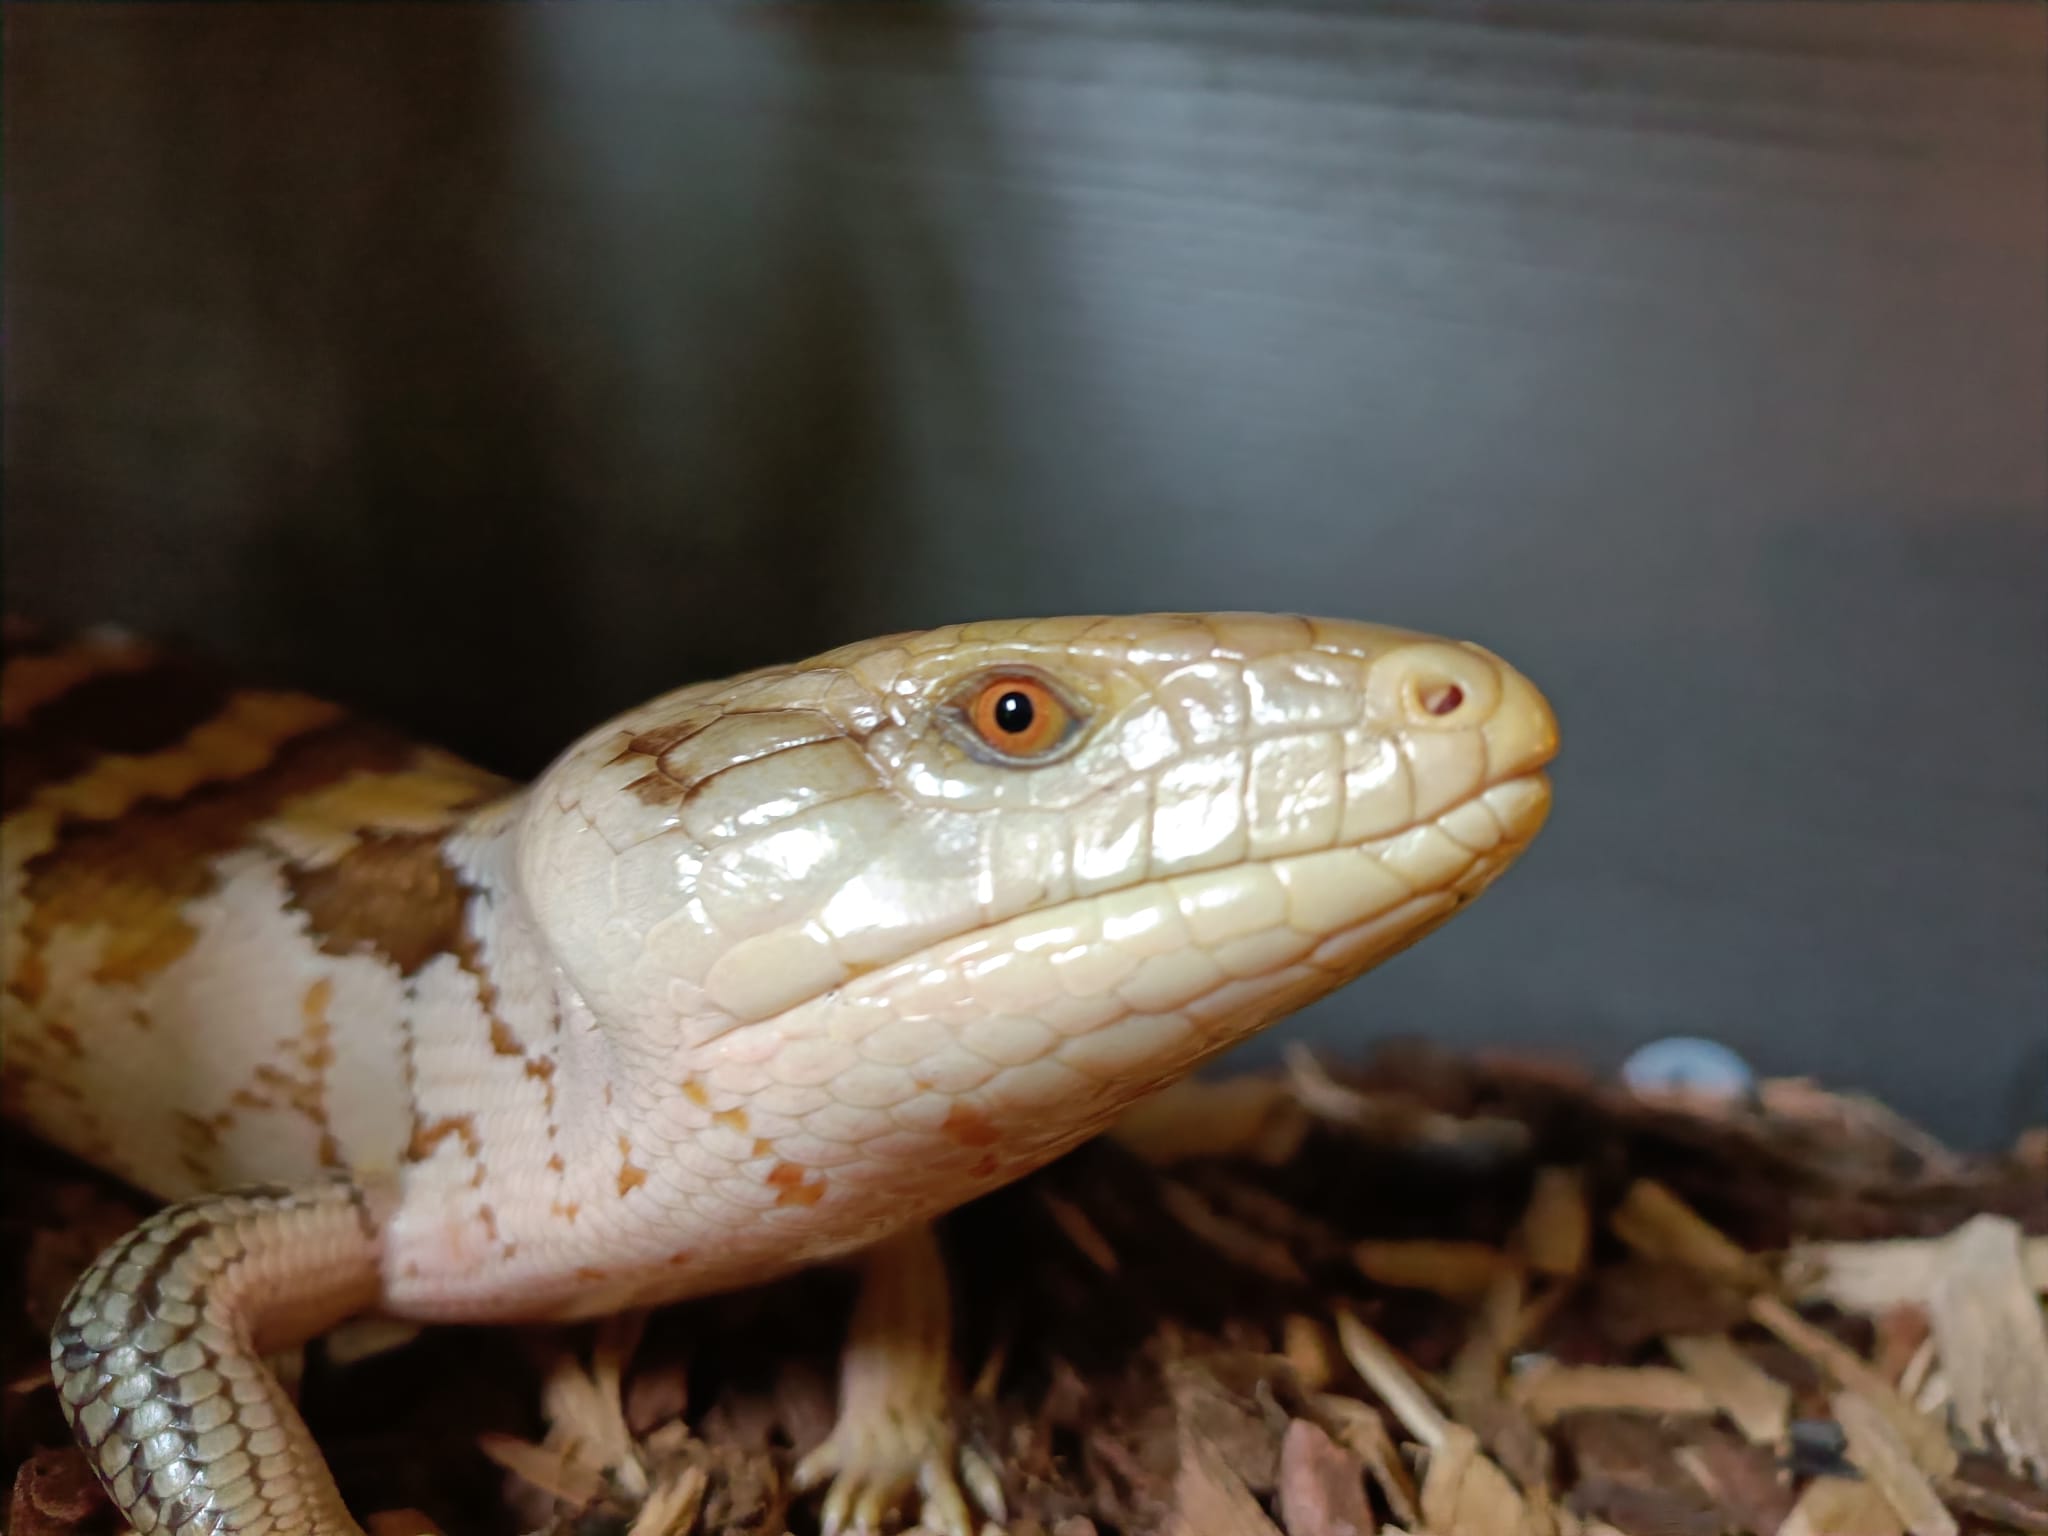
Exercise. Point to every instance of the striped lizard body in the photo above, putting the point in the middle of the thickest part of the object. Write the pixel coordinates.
(763, 973)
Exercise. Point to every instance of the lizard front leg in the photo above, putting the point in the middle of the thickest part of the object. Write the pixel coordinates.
(895, 1424)
(158, 1352)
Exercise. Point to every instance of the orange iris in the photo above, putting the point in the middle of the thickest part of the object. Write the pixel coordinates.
(1018, 716)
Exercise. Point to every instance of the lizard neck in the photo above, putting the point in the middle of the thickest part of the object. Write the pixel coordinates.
(510, 1081)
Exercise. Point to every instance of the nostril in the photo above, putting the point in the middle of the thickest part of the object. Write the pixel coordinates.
(1434, 686)
(1440, 698)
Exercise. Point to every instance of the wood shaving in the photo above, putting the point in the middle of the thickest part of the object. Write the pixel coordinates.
(1663, 1228)
(1549, 1392)
(1426, 1294)
(1993, 1344)
(1758, 1403)
(1881, 1456)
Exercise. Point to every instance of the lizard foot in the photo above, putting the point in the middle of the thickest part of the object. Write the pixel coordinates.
(873, 1462)
(895, 1425)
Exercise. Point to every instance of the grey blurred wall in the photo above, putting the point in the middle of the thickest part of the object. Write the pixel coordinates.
(494, 367)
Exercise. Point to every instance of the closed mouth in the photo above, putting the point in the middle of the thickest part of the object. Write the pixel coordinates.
(1489, 829)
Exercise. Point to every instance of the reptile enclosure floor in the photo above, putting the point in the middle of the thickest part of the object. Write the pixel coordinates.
(1429, 1294)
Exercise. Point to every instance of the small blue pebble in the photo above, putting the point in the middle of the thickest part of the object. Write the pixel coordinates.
(1688, 1064)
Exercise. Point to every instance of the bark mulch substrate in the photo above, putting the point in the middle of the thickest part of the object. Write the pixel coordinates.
(1430, 1294)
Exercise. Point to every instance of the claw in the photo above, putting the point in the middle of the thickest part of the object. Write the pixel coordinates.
(895, 1430)
(872, 1466)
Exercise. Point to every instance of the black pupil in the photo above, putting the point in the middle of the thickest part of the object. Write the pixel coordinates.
(1014, 713)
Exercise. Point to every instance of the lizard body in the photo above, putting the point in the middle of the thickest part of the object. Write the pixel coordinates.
(762, 973)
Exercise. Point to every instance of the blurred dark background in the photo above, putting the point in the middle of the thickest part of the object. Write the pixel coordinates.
(494, 367)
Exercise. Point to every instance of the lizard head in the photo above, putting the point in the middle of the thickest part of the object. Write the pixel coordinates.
(954, 898)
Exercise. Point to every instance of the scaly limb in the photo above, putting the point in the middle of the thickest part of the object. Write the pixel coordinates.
(158, 1358)
(895, 1427)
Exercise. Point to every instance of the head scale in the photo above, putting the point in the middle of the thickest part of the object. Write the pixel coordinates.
(978, 887)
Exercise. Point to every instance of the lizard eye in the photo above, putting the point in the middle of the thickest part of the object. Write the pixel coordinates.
(1016, 716)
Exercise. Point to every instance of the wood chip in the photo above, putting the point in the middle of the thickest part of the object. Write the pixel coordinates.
(1875, 1277)
(1663, 1228)
(1225, 1396)
(1989, 1491)
(1759, 1404)
(1854, 1114)
(672, 1508)
(553, 1470)
(1456, 1271)
(1464, 1492)
(1381, 1368)
(1209, 1499)
(1743, 1478)
(1556, 1234)
(1306, 1344)
(1322, 1485)
(1497, 1327)
(1402, 1120)
(1841, 1506)
(1080, 1231)
(1253, 1249)
(1639, 1510)
(1879, 1454)
(1549, 1392)
(1256, 1115)
(1930, 1447)
(55, 1491)
(586, 1414)
(1359, 1428)
(1993, 1344)
(1905, 1347)
(1472, 1389)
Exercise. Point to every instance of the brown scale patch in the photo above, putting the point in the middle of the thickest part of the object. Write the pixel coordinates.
(33, 675)
(133, 878)
(489, 1218)
(66, 711)
(967, 1126)
(793, 1186)
(542, 1070)
(555, 1163)
(763, 1146)
(199, 1142)
(425, 1138)
(679, 1258)
(631, 1174)
(316, 1055)
(587, 1272)
(393, 895)
(566, 1212)
(694, 1092)
(661, 785)
(731, 1119)
(664, 738)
